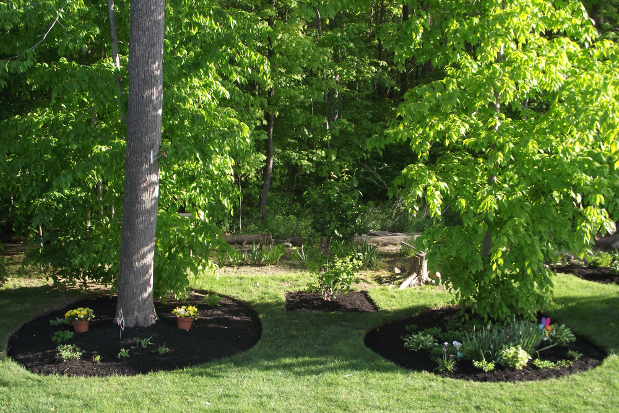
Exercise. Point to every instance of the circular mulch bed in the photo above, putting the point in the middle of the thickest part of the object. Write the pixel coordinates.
(219, 332)
(601, 275)
(352, 301)
(386, 341)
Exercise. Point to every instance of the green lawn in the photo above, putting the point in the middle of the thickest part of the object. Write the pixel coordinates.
(315, 362)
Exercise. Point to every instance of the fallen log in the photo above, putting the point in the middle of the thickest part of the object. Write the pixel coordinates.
(243, 239)
(394, 238)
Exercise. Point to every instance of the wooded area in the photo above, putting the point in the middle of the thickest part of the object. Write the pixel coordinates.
(497, 118)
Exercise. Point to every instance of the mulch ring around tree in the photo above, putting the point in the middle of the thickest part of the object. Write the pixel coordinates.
(219, 332)
(352, 301)
(386, 341)
(601, 275)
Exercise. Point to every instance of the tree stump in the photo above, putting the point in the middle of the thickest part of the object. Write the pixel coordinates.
(418, 274)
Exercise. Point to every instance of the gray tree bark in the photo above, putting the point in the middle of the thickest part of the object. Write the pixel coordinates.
(137, 246)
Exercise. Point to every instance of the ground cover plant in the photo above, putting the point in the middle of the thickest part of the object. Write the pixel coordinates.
(313, 361)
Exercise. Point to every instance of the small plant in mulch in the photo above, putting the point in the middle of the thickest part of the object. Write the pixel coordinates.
(511, 345)
(68, 352)
(62, 336)
(212, 300)
(334, 269)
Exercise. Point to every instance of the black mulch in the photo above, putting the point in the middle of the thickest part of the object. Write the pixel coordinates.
(352, 301)
(602, 274)
(386, 341)
(219, 332)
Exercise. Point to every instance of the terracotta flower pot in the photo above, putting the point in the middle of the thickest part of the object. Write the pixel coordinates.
(184, 323)
(80, 326)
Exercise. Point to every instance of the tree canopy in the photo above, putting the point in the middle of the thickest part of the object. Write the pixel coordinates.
(503, 113)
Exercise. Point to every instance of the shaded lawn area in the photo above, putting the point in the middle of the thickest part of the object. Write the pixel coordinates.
(310, 361)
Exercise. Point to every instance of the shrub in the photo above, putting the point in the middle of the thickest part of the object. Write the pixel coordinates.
(561, 335)
(601, 259)
(419, 341)
(514, 357)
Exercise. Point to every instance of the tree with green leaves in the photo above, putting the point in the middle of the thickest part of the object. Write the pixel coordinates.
(517, 134)
(62, 141)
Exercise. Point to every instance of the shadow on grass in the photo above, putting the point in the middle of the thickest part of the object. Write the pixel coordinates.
(21, 305)
(311, 343)
(595, 318)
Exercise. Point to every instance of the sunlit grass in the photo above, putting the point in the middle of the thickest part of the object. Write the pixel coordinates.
(315, 362)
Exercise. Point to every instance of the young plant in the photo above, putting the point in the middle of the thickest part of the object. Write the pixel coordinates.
(514, 357)
(484, 343)
(525, 334)
(123, 353)
(447, 362)
(483, 365)
(212, 300)
(275, 253)
(143, 343)
(574, 355)
(161, 350)
(561, 335)
(338, 277)
(59, 321)
(68, 352)
(368, 254)
(419, 341)
(96, 357)
(62, 336)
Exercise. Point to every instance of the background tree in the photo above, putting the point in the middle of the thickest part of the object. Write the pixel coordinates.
(521, 146)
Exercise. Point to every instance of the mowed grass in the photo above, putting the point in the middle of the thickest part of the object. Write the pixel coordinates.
(316, 362)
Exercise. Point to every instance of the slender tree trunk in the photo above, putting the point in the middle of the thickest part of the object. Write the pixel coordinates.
(115, 59)
(270, 118)
(486, 246)
(268, 166)
(137, 246)
(404, 74)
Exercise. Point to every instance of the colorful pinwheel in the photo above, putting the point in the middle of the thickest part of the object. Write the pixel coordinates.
(545, 325)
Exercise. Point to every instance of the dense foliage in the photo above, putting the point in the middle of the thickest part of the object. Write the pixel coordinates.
(502, 116)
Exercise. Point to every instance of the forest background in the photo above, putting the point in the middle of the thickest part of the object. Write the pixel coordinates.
(492, 122)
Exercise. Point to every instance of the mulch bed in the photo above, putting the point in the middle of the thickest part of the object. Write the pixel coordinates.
(219, 332)
(601, 275)
(352, 301)
(386, 341)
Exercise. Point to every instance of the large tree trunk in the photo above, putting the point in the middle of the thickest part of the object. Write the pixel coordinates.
(137, 246)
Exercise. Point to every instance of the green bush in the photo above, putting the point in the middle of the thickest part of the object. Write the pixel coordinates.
(419, 341)
(514, 357)
(600, 259)
(334, 269)
(335, 209)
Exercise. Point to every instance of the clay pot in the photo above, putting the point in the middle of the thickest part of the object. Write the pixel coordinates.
(184, 323)
(80, 326)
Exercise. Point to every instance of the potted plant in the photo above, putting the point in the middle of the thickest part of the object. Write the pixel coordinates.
(185, 316)
(80, 318)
